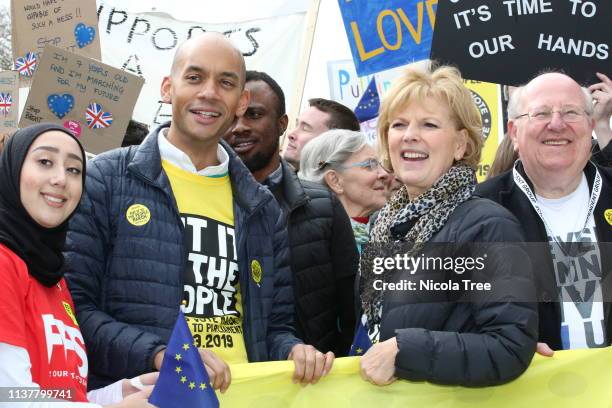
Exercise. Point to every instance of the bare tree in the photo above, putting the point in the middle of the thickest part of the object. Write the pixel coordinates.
(6, 59)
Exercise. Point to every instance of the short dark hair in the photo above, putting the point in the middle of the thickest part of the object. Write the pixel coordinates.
(341, 117)
(135, 133)
(280, 95)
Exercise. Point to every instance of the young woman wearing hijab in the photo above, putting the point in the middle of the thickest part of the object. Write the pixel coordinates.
(42, 173)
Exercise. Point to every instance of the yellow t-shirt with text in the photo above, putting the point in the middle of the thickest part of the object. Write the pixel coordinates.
(211, 282)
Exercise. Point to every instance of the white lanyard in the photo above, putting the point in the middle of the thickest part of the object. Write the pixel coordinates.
(520, 181)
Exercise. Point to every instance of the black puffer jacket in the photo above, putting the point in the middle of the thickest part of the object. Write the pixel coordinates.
(602, 157)
(484, 342)
(324, 261)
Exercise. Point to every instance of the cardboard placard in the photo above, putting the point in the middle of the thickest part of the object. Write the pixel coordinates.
(92, 99)
(68, 24)
(9, 101)
(384, 34)
(511, 41)
(145, 44)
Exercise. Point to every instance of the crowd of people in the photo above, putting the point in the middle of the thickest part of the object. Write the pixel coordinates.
(273, 256)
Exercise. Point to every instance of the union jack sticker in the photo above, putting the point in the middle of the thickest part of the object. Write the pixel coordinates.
(26, 65)
(97, 118)
(6, 102)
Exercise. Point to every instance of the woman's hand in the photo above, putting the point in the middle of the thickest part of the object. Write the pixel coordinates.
(378, 363)
(136, 400)
(144, 380)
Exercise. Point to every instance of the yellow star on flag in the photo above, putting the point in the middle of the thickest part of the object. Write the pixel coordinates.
(202, 386)
(178, 369)
(186, 346)
(183, 379)
(359, 351)
(177, 357)
(191, 385)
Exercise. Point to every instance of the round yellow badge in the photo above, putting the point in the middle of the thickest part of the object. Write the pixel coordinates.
(256, 272)
(608, 215)
(138, 215)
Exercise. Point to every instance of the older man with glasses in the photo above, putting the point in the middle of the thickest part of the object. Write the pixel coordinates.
(564, 201)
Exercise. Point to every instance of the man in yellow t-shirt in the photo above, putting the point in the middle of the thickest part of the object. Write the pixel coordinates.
(155, 228)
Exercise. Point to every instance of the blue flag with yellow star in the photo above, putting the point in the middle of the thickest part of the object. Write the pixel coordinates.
(368, 105)
(183, 380)
(361, 341)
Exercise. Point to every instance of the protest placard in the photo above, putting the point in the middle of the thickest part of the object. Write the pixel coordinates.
(67, 24)
(346, 87)
(384, 34)
(94, 100)
(145, 43)
(510, 41)
(9, 101)
(487, 99)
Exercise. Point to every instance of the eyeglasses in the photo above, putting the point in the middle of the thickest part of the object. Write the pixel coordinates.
(544, 114)
(370, 165)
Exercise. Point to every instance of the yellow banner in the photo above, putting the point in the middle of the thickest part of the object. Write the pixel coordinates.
(576, 378)
(486, 97)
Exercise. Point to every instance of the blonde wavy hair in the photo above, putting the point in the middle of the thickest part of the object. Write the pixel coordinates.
(443, 84)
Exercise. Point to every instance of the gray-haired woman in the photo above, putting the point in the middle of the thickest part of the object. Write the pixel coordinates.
(347, 164)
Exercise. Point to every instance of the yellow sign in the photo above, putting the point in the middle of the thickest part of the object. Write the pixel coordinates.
(608, 215)
(486, 97)
(256, 272)
(573, 378)
(70, 313)
(138, 215)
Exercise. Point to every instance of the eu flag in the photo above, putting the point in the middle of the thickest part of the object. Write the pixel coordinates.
(183, 380)
(361, 341)
(368, 105)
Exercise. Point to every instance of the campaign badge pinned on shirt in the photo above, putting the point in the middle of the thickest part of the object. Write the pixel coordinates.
(70, 313)
(608, 215)
(256, 271)
(138, 215)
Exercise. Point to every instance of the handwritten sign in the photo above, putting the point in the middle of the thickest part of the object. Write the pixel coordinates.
(510, 41)
(94, 100)
(9, 101)
(144, 44)
(388, 33)
(67, 24)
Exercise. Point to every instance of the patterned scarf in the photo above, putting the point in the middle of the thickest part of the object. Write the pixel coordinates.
(431, 210)
(361, 232)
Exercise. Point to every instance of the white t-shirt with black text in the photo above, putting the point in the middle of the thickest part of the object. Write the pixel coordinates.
(577, 266)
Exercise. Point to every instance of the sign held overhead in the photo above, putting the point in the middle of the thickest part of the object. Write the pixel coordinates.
(388, 34)
(510, 41)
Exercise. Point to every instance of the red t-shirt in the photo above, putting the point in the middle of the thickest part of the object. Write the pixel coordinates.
(42, 321)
